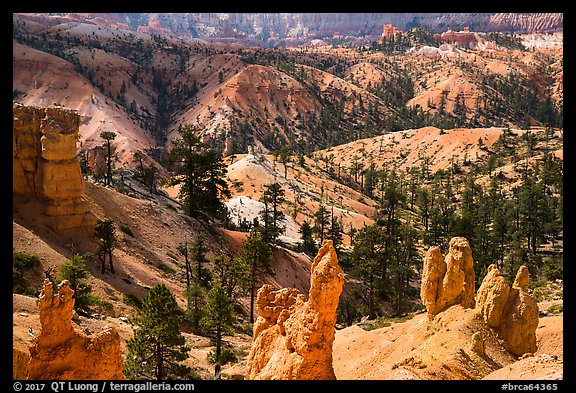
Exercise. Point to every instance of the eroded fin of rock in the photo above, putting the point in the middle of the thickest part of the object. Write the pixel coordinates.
(293, 336)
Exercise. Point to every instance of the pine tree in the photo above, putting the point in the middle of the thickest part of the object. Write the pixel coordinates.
(321, 222)
(108, 137)
(158, 348)
(74, 270)
(257, 254)
(218, 320)
(335, 232)
(104, 232)
(198, 251)
(272, 217)
(201, 174)
(308, 245)
(368, 261)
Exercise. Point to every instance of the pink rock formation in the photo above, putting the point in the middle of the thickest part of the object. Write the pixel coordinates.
(448, 281)
(465, 39)
(293, 336)
(510, 311)
(59, 352)
(388, 32)
(45, 166)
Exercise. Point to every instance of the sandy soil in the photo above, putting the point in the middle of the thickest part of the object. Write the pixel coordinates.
(417, 350)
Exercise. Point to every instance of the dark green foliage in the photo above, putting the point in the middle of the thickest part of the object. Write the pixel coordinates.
(108, 137)
(146, 174)
(127, 230)
(158, 348)
(22, 263)
(369, 265)
(218, 320)
(104, 232)
(132, 300)
(257, 254)
(74, 270)
(505, 40)
(321, 223)
(308, 245)
(553, 268)
(272, 217)
(200, 172)
(402, 41)
(507, 225)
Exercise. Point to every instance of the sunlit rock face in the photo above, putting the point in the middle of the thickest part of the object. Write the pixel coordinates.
(293, 336)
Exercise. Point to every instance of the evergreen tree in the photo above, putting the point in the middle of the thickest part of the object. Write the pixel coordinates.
(74, 270)
(198, 252)
(218, 320)
(533, 213)
(308, 245)
(108, 137)
(321, 222)
(196, 295)
(104, 232)
(368, 261)
(285, 157)
(257, 254)
(158, 348)
(201, 175)
(233, 274)
(406, 262)
(272, 217)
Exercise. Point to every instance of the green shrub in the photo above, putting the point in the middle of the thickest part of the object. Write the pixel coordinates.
(22, 262)
(553, 268)
(132, 300)
(74, 270)
(556, 309)
(127, 230)
(227, 356)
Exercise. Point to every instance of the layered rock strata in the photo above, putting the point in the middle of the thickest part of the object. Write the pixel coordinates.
(45, 166)
(450, 280)
(293, 336)
(61, 353)
(511, 311)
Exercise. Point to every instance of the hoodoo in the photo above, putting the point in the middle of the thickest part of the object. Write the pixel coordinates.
(448, 281)
(60, 352)
(293, 336)
(46, 172)
(512, 312)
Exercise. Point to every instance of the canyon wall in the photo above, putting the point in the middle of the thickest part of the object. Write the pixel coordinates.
(286, 28)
